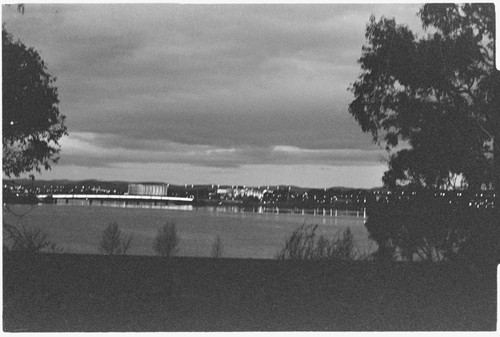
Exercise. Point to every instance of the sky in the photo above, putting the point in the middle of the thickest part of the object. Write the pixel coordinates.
(247, 94)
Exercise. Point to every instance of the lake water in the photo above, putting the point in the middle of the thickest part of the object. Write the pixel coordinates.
(78, 228)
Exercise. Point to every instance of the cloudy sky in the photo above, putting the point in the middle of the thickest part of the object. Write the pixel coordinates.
(224, 94)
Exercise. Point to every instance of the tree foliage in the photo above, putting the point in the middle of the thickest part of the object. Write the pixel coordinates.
(28, 240)
(114, 241)
(32, 124)
(167, 241)
(217, 248)
(431, 101)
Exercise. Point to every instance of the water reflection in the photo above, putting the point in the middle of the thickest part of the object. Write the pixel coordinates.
(124, 204)
(323, 213)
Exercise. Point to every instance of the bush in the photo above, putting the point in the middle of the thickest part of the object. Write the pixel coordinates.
(340, 247)
(433, 229)
(303, 244)
(166, 241)
(217, 248)
(482, 246)
(113, 241)
(29, 240)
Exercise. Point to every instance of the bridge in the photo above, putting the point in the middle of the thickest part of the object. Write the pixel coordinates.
(115, 197)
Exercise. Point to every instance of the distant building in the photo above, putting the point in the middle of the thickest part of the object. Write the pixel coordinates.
(148, 189)
(224, 191)
(239, 192)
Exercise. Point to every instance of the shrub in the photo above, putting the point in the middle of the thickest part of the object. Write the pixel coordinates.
(29, 240)
(114, 241)
(166, 241)
(299, 245)
(483, 244)
(340, 247)
(432, 229)
(217, 248)
(303, 244)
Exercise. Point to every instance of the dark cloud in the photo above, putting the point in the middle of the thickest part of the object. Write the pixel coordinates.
(153, 82)
(94, 150)
(306, 130)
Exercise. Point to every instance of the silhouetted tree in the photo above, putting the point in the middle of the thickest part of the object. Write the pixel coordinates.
(114, 241)
(433, 102)
(32, 124)
(166, 242)
(217, 248)
(434, 95)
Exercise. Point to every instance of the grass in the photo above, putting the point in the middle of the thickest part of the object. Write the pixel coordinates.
(65, 292)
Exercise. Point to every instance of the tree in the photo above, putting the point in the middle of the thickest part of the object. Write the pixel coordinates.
(431, 100)
(166, 241)
(32, 124)
(433, 103)
(217, 248)
(114, 241)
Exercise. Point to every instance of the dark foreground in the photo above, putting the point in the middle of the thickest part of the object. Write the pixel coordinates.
(66, 292)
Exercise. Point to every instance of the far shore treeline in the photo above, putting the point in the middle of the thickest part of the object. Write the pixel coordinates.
(19, 191)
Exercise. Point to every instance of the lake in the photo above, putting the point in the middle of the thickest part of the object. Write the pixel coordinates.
(78, 228)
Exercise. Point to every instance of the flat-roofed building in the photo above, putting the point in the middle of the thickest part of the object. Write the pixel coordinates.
(147, 189)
